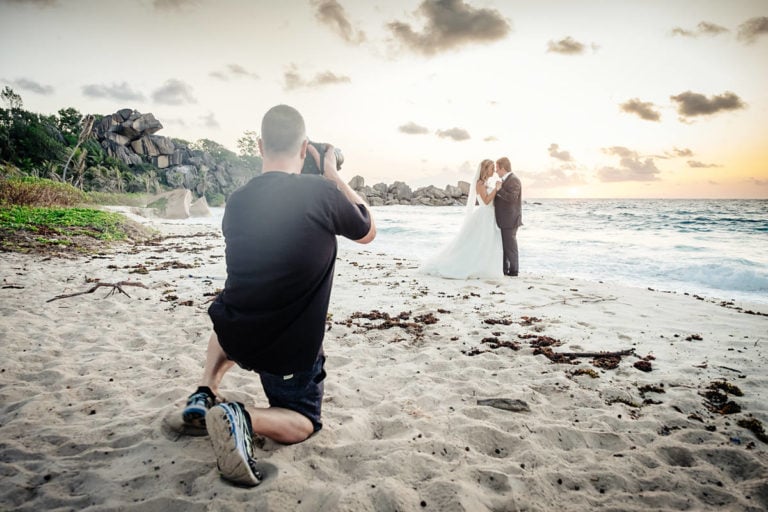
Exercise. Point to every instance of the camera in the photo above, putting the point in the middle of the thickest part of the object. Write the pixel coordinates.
(310, 166)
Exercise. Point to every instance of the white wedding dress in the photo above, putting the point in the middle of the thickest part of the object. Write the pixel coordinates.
(475, 251)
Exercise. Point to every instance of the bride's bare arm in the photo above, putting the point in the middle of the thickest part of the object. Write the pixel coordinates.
(485, 196)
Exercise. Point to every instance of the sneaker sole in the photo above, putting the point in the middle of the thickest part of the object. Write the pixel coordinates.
(232, 464)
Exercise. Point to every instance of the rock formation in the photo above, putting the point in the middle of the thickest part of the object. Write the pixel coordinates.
(382, 194)
(129, 136)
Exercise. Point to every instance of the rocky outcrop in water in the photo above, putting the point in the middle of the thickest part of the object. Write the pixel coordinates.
(398, 192)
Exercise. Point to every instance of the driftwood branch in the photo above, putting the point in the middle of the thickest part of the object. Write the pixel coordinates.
(618, 353)
(116, 287)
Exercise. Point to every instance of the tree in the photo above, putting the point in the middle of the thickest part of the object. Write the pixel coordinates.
(248, 144)
(11, 99)
(250, 157)
(86, 132)
(69, 121)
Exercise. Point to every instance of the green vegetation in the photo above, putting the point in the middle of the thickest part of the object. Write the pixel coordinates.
(38, 215)
(64, 221)
(64, 147)
(29, 191)
(113, 199)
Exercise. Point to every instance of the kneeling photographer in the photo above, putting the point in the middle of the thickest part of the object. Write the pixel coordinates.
(280, 233)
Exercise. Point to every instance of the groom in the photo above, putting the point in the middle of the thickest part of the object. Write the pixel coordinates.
(509, 213)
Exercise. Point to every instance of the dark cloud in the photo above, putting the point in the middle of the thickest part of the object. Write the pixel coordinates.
(682, 152)
(701, 165)
(34, 3)
(753, 28)
(567, 46)
(450, 24)
(210, 121)
(173, 5)
(554, 152)
(457, 134)
(174, 92)
(26, 84)
(644, 109)
(294, 80)
(703, 28)
(122, 92)
(412, 128)
(691, 104)
(332, 14)
(233, 71)
(631, 167)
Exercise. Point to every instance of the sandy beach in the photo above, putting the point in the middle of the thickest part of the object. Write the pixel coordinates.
(441, 395)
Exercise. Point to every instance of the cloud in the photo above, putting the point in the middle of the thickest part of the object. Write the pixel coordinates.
(35, 3)
(554, 152)
(294, 80)
(682, 152)
(457, 134)
(567, 46)
(552, 178)
(490, 138)
(753, 28)
(412, 128)
(450, 24)
(758, 182)
(209, 121)
(174, 92)
(233, 71)
(700, 165)
(122, 92)
(332, 14)
(631, 167)
(26, 84)
(691, 104)
(173, 5)
(703, 28)
(644, 109)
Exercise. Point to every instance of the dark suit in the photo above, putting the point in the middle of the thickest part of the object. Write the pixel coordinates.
(508, 207)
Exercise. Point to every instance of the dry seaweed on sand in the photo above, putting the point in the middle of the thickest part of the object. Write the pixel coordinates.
(495, 343)
(755, 426)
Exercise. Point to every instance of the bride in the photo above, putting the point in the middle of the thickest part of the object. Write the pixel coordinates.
(475, 251)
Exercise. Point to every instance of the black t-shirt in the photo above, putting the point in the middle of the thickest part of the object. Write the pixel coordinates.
(280, 232)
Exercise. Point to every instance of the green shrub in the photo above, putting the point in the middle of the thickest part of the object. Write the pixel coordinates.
(29, 191)
(68, 221)
(214, 198)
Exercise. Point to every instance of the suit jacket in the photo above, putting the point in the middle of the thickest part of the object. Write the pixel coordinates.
(508, 204)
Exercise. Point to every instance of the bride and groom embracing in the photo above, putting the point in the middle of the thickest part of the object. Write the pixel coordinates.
(489, 230)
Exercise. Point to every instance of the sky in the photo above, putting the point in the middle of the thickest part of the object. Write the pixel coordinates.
(587, 98)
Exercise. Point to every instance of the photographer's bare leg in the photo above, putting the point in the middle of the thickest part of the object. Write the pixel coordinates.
(216, 365)
(282, 425)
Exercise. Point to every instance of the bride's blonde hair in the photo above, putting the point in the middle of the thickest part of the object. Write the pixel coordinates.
(485, 165)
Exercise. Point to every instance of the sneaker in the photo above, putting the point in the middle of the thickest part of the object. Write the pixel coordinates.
(229, 427)
(198, 404)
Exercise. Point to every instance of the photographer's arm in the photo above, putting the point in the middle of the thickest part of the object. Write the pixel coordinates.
(331, 173)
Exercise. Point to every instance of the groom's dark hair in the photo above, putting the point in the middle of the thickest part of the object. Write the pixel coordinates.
(503, 162)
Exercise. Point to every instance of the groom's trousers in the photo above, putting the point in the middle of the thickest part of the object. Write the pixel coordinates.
(509, 244)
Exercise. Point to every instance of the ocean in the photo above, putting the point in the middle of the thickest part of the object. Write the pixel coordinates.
(712, 248)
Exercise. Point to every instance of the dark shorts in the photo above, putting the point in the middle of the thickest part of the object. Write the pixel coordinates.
(302, 392)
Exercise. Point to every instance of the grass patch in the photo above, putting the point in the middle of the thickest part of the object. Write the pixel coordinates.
(112, 199)
(29, 191)
(56, 230)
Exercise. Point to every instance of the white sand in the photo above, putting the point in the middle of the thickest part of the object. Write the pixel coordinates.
(89, 384)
